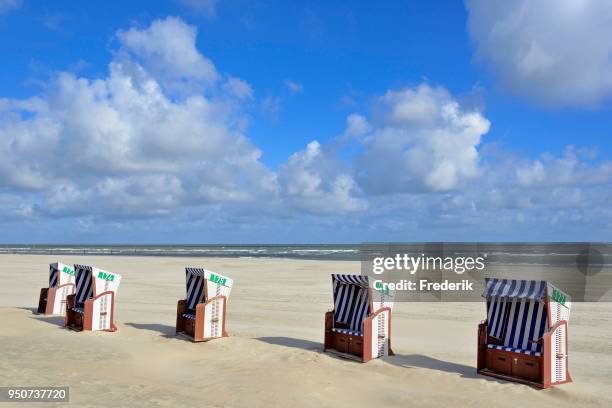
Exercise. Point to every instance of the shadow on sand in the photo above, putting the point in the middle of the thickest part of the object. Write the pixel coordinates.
(405, 361)
(53, 320)
(164, 330)
(293, 343)
(421, 361)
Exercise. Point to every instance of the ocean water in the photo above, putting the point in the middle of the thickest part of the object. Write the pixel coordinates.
(323, 252)
(497, 253)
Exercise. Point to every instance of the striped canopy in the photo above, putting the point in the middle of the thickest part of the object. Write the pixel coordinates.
(358, 280)
(351, 300)
(197, 278)
(84, 282)
(195, 286)
(518, 323)
(516, 314)
(514, 289)
(53, 275)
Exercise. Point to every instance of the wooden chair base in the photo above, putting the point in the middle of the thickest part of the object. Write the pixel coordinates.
(344, 343)
(74, 321)
(490, 373)
(42, 301)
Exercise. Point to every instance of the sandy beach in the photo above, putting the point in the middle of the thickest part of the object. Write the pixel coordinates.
(274, 355)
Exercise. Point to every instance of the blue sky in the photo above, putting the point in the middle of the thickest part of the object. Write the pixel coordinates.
(409, 122)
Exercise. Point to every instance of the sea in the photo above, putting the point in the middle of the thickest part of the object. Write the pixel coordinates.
(497, 253)
(313, 252)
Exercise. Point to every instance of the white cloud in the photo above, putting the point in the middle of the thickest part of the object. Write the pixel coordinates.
(553, 52)
(122, 145)
(313, 180)
(425, 142)
(357, 125)
(141, 142)
(293, 86)
(167, 50)
(571, 169)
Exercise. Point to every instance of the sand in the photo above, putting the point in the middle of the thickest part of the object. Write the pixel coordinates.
(274, 355)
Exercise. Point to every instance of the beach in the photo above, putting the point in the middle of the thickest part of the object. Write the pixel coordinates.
(274, 353)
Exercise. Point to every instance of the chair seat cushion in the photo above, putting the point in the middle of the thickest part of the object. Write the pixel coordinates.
(347, 331)
(514, 350)
(78, 310)
(189, 316)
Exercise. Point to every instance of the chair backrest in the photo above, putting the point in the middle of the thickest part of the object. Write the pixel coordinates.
(526, 324)
(517, 312)
(53, 275)
(105, 281)
(497, 313)
(202, 284)
(84, 282)
(60, 274)
(351, 300)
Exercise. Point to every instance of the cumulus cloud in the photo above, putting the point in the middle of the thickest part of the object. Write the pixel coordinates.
(571, 169)
(553, 52)
(150, 140)
(357, 125)
(313, 180)
(122, 145)
(424, 141)
(167, 50)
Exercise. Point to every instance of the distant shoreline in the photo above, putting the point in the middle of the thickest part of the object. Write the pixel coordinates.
(557, 254)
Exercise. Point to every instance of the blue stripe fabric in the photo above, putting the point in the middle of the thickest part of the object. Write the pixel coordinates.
(84, 283)
(497, 314)
(516, 313)
(53, 276)
(527, 322)
(351, 300)
(189, 316)
(358, 280)
(510, 288)
(195, 286)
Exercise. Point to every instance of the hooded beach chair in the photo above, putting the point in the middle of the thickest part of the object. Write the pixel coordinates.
(201, 316)
(360, 324)
(52, 300)
(92, 307)
(524, 337)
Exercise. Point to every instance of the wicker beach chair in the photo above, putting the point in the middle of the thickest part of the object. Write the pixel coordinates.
(52, 300)
(201, 316)
(92, 307)
(524, 337)
(359, 327)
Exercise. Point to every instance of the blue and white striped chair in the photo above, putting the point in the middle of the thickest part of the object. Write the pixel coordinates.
(360, 324)
(92, 307)
(52, 300)
(201, 315)
(524, 335)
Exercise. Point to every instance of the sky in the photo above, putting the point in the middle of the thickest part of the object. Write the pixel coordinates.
(203, 121)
